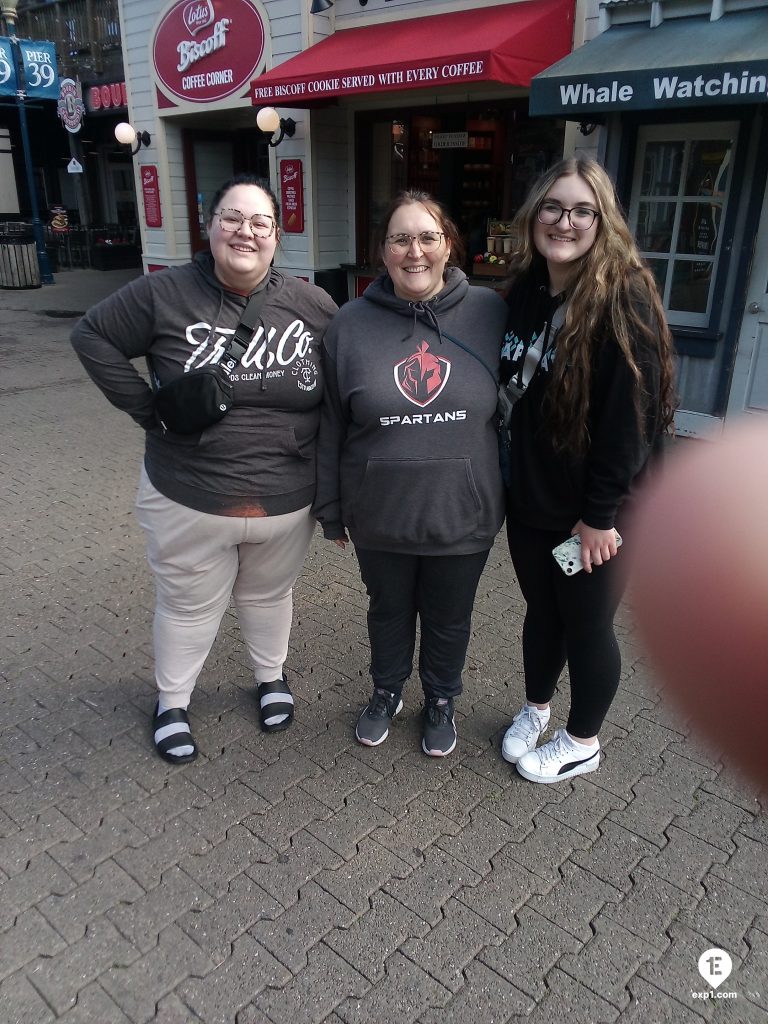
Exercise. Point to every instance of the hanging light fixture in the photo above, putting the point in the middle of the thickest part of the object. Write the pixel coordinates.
(320, 5)
(269, 121)
(126, 135)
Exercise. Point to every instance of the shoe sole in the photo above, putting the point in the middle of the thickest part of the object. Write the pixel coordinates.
(376, 743)
(177, 758)
(581, 769)
(514, 760)
(438, 753)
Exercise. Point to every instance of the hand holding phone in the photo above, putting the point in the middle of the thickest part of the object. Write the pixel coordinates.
(568, 554)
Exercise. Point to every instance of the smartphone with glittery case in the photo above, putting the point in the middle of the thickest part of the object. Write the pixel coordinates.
(568, 554)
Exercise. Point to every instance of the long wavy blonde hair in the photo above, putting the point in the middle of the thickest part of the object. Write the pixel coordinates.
(610, 292)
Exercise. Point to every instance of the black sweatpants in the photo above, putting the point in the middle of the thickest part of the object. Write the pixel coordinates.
(568, 619)
(440, 590)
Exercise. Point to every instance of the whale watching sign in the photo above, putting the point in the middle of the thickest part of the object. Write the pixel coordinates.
(634, 67)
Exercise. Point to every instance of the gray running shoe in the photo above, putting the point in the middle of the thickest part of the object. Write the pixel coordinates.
(439, 736)
(373, 724)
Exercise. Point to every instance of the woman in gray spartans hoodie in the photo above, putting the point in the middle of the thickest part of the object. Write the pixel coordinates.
(408, 459)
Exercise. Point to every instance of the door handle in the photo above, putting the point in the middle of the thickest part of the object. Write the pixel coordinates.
(754, 307)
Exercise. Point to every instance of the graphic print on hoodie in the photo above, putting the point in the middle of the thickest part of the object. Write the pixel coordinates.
(422, 376)
(258, 460)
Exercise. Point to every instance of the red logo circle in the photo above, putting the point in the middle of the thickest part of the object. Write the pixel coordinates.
(205, 50)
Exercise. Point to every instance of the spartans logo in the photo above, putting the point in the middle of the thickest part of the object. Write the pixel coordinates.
(422, 376)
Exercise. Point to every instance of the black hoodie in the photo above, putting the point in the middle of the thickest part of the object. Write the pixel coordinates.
(258, 460)
(408, 451)
(550, 489)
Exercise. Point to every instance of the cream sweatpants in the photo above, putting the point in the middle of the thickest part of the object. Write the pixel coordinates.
(199, 561)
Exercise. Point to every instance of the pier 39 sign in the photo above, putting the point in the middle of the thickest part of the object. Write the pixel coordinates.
(206, 50)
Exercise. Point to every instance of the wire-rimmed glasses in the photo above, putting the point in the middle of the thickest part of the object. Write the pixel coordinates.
(581, 218)
(427, 241)
(262, 225)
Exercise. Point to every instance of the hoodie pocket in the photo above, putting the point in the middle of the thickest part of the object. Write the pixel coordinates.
(413, 501)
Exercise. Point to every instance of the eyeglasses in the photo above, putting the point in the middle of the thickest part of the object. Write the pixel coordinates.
(262, 225)
(581, 218)
(428, 241)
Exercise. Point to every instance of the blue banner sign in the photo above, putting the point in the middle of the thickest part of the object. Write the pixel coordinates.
(39, 59)
(8, 85)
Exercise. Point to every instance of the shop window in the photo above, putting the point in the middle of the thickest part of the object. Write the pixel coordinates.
(478, 161)
(680, 194)
(388, 147)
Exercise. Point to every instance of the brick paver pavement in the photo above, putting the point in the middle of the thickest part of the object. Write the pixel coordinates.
(301, 877)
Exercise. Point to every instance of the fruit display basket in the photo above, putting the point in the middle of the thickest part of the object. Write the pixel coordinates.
(500, 243)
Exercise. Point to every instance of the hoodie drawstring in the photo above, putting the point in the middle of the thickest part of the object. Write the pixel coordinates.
(426, 310)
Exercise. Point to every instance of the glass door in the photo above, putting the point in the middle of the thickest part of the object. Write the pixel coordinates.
(680, 195)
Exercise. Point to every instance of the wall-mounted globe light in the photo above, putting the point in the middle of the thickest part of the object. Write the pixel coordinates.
(127, 135)
(269, 121)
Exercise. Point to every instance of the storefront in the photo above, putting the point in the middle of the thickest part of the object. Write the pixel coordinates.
(428, 94)
(435, 102)
(682, 107)
(109, 172)
(187, 68)
(84, 180)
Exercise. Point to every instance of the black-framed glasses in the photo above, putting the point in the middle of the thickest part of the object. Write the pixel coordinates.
(581, 218)
(262, 225)
(427, 241)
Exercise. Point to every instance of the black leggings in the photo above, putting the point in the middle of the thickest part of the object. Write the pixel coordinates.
(439, 590)
(568, 619)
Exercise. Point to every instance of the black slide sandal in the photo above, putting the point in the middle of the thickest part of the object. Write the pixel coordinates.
(177, 738)
(275, 699)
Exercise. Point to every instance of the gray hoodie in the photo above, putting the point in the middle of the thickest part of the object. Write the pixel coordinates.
(258, 460)
(408, 450)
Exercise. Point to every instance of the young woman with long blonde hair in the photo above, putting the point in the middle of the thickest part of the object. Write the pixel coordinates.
(587, 360)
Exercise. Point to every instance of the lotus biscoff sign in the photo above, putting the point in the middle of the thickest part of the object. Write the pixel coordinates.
(206, 50)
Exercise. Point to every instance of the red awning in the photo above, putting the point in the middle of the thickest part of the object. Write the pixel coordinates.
(508, 44)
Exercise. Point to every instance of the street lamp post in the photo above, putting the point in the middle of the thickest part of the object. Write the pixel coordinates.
(8, 12)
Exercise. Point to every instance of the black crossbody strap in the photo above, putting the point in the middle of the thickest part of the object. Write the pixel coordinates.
(474, 355)
(238, 344)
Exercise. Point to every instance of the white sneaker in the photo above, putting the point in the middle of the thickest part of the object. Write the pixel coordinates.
(523, 735)
(558, 760)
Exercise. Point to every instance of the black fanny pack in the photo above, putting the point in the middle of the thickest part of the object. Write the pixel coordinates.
(199, 398)
(194, 401)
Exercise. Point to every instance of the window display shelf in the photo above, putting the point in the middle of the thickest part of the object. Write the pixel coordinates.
(490, 270)
(481, 140)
